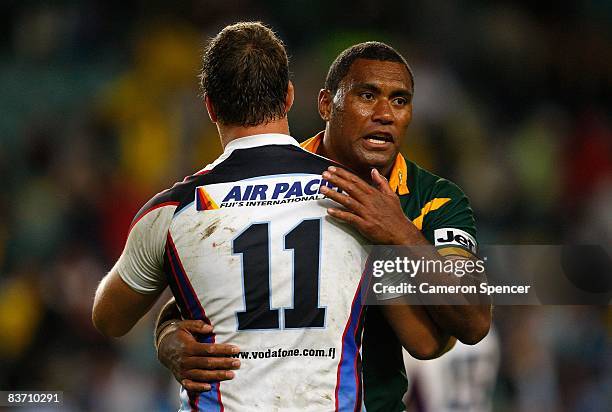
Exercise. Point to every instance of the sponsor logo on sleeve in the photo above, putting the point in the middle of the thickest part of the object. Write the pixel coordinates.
(454, 237)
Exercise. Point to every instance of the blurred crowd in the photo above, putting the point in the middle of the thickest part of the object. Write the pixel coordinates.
(101, 109)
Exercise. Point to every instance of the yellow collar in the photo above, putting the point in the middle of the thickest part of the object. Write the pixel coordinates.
(399, 173)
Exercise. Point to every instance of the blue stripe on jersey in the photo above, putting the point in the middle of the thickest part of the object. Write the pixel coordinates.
(190, 300)
(210, 401)
(348, 385)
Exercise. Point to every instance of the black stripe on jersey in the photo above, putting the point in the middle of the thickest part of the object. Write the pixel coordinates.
(170, 196)
(254, 162)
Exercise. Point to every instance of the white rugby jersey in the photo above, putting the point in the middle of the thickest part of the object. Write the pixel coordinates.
(247, 245)
(461, 380)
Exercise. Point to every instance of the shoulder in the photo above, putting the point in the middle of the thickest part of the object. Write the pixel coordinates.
(444, 214)
(169, 199)
(428, 185)
(241, 164)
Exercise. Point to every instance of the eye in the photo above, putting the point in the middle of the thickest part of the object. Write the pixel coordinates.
(367, 95)
(400, 101)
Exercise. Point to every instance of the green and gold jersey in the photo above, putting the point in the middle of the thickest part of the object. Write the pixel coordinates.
(441, 211)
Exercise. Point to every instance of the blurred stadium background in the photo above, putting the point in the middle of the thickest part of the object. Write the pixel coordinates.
(100, 110)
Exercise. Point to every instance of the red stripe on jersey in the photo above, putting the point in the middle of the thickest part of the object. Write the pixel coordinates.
(194, 397)
(200, 173)
(149, 211)
(219, 396)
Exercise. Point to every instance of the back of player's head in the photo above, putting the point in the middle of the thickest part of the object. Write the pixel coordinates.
(245, 74)
(371, 50)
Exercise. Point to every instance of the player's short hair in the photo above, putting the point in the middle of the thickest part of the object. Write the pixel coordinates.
(371, 50)
(245, 74)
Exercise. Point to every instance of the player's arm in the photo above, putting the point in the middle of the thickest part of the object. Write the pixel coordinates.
(377, 214)
(117, 307)
(466, 317)
(193, 364)
(133, 285)
(416, 331)
(471, 319)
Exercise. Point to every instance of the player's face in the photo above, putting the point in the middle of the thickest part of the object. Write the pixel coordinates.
(368, 115)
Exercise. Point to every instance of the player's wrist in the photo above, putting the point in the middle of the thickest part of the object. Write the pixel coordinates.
(408, 235)
(164, 330)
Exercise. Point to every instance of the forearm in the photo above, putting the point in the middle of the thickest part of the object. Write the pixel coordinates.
(465, 316)
(416, 330)
(469, 323)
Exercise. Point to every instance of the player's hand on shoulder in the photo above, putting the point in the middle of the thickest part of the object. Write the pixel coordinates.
(374, 210)
(195, 365)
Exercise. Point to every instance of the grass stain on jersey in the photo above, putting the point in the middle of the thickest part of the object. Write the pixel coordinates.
(210, 229)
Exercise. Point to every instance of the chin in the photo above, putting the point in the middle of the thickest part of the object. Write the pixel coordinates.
(376, 160)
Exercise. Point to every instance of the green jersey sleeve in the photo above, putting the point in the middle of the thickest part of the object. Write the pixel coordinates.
(451, 227)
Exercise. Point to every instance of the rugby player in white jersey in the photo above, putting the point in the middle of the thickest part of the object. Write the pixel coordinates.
(246, 244)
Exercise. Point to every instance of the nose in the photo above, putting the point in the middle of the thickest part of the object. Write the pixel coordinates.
(383, 113)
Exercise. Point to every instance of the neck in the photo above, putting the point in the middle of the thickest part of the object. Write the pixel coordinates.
(227, 133)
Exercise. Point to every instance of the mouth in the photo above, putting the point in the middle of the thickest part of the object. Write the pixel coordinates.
(379, 139)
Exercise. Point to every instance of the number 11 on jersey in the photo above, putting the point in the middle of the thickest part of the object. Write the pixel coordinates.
(254, 245)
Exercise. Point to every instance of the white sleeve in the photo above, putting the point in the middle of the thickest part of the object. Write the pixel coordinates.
(141, 263)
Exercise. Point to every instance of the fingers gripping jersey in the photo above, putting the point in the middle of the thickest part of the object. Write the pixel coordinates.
(247, 244)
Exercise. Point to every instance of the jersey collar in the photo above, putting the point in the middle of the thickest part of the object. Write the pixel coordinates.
(399, 172)
(248, 142)
(260, 140)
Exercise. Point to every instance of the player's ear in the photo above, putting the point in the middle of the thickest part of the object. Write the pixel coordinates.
(325, 102)
(290, 96)
(210, 109)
